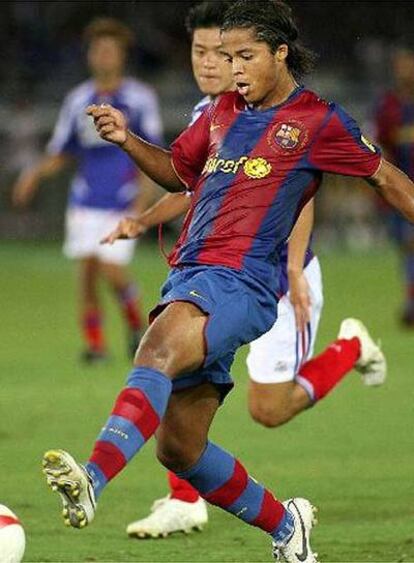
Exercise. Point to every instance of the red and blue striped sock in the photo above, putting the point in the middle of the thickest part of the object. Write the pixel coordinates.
(135, 417)
(222, 480)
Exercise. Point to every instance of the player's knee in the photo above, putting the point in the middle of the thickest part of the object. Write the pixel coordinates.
(176, 456)
(269, 416)
(155, 353)
(166, 352)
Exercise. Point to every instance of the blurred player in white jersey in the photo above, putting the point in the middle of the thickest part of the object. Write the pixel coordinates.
(283, 380)
(107, 184)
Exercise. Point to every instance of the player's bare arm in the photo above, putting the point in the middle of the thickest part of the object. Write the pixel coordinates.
(298, 285)
(169, 207)
(395, 187)
(26, 185)
(154, 161)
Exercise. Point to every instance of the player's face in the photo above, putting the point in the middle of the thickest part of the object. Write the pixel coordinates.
(211, 71)
(106, 56)
(257, 73)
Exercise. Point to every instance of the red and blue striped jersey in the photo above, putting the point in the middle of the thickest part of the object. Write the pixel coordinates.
(252, 172)
(395, 130)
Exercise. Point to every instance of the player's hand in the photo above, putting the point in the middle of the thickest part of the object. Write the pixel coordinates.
(110, 123)
(127, 228)
(300, 299)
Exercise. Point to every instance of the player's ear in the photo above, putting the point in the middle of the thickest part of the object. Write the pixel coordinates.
(281, 53)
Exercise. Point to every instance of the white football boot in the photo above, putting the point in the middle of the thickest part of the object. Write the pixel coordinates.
(169, 515)
(371, 364)
(298, 549)
(74, 486)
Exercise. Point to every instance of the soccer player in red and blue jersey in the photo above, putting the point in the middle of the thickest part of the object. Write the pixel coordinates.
(284, 381)
(394, 119)
(106, 186)
(253, 161)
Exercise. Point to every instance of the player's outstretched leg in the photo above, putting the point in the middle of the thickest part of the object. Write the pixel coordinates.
(183, 510)
(135, 417)
(71, 481)
(371, 362)
(297, 549)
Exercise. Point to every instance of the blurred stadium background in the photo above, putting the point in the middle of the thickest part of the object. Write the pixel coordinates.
(359, 469)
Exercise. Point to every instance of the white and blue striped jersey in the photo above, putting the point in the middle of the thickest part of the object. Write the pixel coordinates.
(106, 176)
(199, 108)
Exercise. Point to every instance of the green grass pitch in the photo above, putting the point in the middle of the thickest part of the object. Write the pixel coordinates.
(352, 455)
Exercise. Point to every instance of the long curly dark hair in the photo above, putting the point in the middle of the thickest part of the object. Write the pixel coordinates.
(273, 23)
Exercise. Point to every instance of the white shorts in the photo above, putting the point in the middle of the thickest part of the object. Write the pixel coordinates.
(86, 227)
(277, 355)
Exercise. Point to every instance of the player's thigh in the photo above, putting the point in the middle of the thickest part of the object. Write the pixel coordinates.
(182, 435)
(238, 308)
(89, 269)
(174, 342)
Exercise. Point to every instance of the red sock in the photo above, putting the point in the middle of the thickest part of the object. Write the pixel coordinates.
(130, 307)
(92, 329)
(181, 489)
(319, 375)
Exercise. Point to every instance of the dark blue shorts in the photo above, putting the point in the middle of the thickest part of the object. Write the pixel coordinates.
(239, 310)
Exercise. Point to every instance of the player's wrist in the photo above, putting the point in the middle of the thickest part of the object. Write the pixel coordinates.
(126, 144)
(140, 223)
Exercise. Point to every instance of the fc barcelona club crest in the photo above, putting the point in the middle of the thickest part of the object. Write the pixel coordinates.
(287, 136)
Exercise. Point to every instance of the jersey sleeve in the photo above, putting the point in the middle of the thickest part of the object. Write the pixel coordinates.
(341, 148)
(199, 108)
(190, 149)
(64, 137)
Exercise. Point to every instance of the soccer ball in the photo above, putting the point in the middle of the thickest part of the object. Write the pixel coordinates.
(12, 538)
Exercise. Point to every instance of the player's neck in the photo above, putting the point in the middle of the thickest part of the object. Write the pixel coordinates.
(108, 82)
(286, 85)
